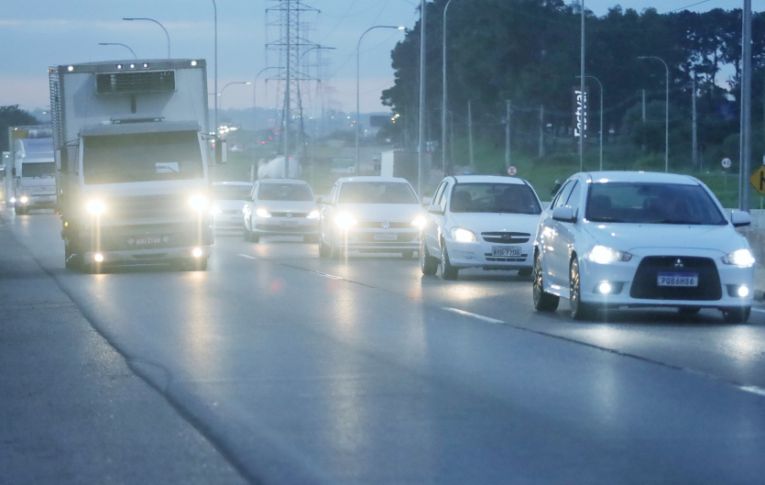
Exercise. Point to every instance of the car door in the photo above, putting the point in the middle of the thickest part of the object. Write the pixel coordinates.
(565, 234)
(249, 207)
(435, 217)
(548, 235)
(326, 211)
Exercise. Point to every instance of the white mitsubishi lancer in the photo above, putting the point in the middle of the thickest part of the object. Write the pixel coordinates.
(623, 239)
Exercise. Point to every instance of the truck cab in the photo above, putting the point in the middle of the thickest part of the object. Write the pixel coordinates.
(34, 169)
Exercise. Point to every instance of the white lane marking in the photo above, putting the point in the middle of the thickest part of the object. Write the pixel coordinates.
(247, 256)
(758, 310)
(330, 276)
(472, 315)
(753, 389)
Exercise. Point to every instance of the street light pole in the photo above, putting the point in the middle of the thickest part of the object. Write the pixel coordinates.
(600, 85)
(121, 45)
(149, 19)
(358, 95)
(232, 83)
(421, 130)
(581, 85)
(215, 75)
(444, 95)
(746, 106)
(666, 109)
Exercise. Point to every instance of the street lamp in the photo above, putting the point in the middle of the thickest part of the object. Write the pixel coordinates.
(601, 116)
(149, 19)
(121, 45)
(443, 89)
(421, 107)
(666, 109)
(358, 103)
(232, 83)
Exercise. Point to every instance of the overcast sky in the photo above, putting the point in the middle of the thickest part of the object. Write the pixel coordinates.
(37, 33)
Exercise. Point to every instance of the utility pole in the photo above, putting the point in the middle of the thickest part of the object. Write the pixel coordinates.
(421, 130)
(694, 124)
(470, 135)
(581, 89)
(643, 104)
(746, 106)
(508, 120)
(541, 152)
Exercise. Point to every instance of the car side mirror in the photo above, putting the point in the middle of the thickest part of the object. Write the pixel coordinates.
(564, 214)
(319, 199)
(740, 218)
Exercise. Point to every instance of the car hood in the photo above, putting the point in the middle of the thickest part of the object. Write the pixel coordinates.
(382, 212)
(495, 222)
(286, 205)
(630, 237)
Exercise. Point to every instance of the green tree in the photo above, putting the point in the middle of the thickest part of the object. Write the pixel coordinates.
(12, 116)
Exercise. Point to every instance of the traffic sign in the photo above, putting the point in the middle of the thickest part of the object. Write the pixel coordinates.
(758, 179)
(511, 170)
(726, 163)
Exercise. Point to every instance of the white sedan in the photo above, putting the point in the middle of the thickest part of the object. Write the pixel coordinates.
(370, 214)
(480, 221)
(282, 207)
(628, 239)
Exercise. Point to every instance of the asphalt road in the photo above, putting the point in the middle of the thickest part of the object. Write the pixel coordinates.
(300, 370)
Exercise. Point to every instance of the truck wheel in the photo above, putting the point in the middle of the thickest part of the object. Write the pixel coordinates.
(72, 260)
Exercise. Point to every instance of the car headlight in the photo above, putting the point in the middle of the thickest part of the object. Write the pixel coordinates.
(24, 199)
(462, 235)
(604, 255)
(419, 222)
(742, 258)
(95, 207)
(199, 202)
(314, 214)
(262, 213)
(344, 220)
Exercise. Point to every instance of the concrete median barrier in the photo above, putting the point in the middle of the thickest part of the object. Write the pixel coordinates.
(756, 236)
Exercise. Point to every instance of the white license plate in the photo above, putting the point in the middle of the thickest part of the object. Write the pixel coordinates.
(385, 237)
(147, 240)
(678, 280)
(506, 251)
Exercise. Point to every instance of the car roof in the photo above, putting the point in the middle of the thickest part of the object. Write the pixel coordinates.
(232, 183)
(640, 176)
(283, 181)
(488, 179)
(373, 178)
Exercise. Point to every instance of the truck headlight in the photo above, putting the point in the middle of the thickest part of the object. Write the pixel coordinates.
(95, 207)
(24, 199)
(262, 213)
(462, 235)
(604, 255)
(199, 202)
(314, 214)
(742, 258)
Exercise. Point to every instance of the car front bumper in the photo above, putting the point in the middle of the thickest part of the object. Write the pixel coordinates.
(490, 255)
(378, 240)
(286, 226)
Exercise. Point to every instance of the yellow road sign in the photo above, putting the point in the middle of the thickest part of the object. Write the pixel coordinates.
(758, 180)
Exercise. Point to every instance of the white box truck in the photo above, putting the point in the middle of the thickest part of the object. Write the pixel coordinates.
(33, 171)
(131, 158)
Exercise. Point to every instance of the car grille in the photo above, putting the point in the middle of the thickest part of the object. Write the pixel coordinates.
(289, 214)
(506, 237)
(370, 237)
(384, 225)
(645, 285)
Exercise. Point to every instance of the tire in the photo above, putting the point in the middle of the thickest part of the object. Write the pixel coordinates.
(20, 211)
(407, 254)
(72, 260)
(324, 250)
(448, 272)
(428, 264)
(525, 272)
(736, 314)
(543, 301)
(579, 309)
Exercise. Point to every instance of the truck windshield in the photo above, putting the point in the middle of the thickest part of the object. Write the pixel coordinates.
(43, 169)
(142, 157)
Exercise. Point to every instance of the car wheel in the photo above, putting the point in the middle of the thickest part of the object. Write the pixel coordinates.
(543, 301)
(428, 264)
(72, 260)
(579, 309)
(736, 314)
(448, 272)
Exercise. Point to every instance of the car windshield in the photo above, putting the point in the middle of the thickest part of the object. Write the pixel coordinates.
(276, 191)
(494, 197)
(651, 203)
(141, 158)
(231, 192)
(43, 169)
(377, 193)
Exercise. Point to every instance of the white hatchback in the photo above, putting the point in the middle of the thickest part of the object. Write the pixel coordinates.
(625, 239)
(480, 221)
(281, 207)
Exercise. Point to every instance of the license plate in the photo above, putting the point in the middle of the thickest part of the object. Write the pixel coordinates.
(678, 280)
(147, 240)
(506, 251)
(385, 237)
